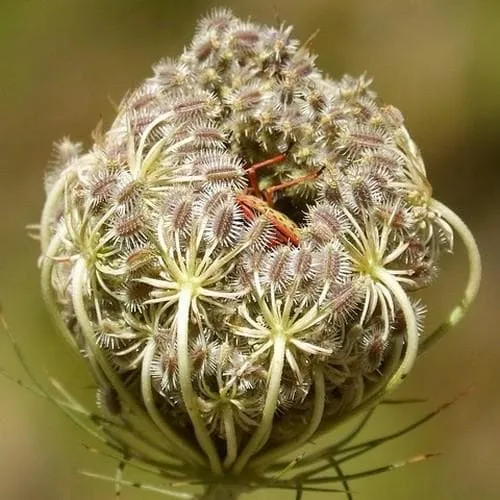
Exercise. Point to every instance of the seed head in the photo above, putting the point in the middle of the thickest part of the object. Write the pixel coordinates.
(231, 308)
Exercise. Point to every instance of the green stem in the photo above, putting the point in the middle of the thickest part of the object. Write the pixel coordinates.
(52, 205)
(231, 438)
(472, 287)
(47, 266)
(148, 398)
(185, 372)
(73, 410)
(316, 417)
(79, 285)
(171, 493)
(368, 403)
(411, 338)
(274, 383)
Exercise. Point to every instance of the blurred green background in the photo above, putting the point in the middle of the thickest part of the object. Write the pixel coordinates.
(62, 64)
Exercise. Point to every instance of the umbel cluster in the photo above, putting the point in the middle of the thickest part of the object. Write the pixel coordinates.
(236, 256)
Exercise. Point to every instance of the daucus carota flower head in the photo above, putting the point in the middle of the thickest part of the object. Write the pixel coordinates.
(237, 256)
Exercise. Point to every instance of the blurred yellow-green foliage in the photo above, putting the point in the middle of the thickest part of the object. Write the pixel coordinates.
(62, 65)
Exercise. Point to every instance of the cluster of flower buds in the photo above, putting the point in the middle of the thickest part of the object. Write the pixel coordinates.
(237, 255)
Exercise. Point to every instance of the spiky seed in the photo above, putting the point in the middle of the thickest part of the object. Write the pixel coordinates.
(243, 37)
(333, 184)
(345, 300)
(332, 263)
(300, 66)
(373, 346)
(276, 268)
(171, 74)
(225, 224)
(178, 212)
(259, 233)
(194, 105)
(327, 220)
(64, 152)
(218, 19)
(204, 353)
(164, 367)
(244, 98)
(102, 186)
(302, 266)
(134, 295)
(365, 189)
(204, 46)
(132, 230)
(141, 259)
(128, 194)
(392, 116)
(221, 169)
(353, 138)
(207, 135)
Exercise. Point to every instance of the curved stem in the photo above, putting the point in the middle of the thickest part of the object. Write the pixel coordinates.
(48, 294)
(51, 205)
(368, 404)
(315, 419)
(231, 438)
(185, 372)
(411, 338)
(79, 285)
(472, 287)
(148, 398)
(274, 383)
(113, 434)
(456, 315)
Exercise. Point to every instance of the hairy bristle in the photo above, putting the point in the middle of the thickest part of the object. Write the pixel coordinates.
(65, 151)
(345, 300)
(164, 367)
(373, 346)
(207, 135)
(259, 233)
(244, 98)
(218, 20)
(204, 353)
(300, 66)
